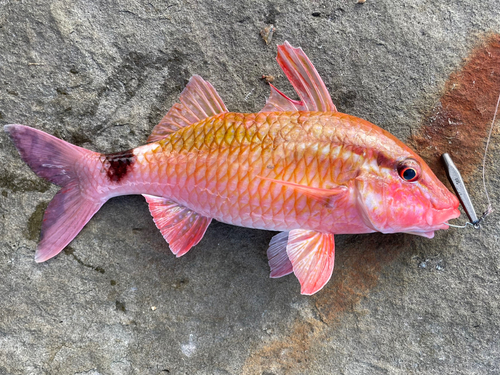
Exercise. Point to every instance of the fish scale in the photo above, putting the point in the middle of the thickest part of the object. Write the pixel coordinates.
(298, 166)
(221, 176)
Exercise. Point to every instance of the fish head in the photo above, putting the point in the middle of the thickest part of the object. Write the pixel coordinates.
(400, 193)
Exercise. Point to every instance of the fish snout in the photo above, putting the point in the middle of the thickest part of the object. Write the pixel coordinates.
(444, 199)
(444, 207)
(438, 218)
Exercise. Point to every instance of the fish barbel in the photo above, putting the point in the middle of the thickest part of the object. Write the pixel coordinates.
(298, 167)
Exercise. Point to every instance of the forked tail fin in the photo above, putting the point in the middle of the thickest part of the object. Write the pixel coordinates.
(56, 161)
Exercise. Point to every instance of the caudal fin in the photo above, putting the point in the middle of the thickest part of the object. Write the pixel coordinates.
(56, 161)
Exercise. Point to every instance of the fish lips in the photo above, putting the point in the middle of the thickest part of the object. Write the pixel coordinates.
(437, 219)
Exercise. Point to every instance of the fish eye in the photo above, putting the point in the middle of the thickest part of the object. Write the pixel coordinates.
(409, 170)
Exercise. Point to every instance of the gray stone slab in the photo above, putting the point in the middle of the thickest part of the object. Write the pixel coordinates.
(101, 74)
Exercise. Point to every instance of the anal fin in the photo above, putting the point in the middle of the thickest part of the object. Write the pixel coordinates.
(181, 227)
(312, 256)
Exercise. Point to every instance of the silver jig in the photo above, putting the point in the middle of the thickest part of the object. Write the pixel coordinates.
(458, 185)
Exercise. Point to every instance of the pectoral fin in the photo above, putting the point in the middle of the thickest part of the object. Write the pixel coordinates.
(278, 259)
(181, 227)
(313, 192)
(312, 255)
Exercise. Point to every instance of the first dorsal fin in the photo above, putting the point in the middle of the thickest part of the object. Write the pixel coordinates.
(198, 101)
(305, 80)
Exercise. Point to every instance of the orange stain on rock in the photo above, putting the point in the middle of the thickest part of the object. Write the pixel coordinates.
(458, 125)
(460, 121)
(286, 356)
(359, 264)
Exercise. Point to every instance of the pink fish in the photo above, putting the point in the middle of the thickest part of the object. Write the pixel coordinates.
(298, 167)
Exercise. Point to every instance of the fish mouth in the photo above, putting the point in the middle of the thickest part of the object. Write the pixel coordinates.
(438, 219)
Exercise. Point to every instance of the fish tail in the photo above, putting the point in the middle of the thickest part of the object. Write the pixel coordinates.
(57, 161)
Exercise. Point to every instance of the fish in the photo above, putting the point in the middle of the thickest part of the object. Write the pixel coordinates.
(299, 167)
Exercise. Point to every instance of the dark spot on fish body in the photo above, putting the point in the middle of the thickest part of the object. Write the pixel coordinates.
(118, 164)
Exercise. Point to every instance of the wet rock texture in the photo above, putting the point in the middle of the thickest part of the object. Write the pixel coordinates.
(101, 74)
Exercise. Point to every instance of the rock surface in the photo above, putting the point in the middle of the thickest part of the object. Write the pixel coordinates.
(101, 74)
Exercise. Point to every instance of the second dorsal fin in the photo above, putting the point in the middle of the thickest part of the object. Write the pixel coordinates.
(198, 101)
(305, 80)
